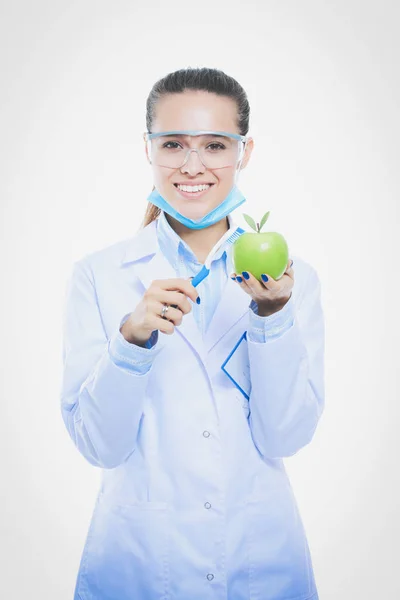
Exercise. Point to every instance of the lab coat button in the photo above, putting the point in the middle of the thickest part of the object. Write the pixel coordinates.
(210, 577)
(207, 505)
(206, 433)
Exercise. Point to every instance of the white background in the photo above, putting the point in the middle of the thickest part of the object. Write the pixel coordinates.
(323, 84)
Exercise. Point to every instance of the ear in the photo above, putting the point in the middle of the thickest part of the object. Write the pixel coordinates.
(247, 152)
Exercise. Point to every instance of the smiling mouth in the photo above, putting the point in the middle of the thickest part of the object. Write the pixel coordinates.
(193, 194)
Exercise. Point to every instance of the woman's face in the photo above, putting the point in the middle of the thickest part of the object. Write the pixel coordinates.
(196, 110)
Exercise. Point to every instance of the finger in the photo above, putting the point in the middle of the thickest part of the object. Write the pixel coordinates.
(275, 286)
(267, 281)
(289, 265)
(278, 287)
(163, 325)
(260, 290)
(172, 314)
(289, 269)
(178, 284)
(239, 278)
(175, 299)
(250, 282)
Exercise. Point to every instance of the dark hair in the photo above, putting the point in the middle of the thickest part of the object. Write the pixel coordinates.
(209, 80)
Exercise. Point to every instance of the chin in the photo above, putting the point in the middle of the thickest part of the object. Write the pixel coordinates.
(193, 214)
(192, 206)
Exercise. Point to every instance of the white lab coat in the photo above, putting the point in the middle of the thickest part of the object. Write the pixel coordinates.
(195, 503)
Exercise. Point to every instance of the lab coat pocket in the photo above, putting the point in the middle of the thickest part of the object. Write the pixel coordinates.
(126, 553)
(279, 561)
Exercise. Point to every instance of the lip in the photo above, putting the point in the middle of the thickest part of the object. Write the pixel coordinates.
(191, 182)
(193, 194)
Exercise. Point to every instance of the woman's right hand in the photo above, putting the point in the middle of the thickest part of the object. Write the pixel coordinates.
(146, 317)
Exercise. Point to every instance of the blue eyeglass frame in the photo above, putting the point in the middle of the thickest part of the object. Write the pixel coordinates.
(236, 136)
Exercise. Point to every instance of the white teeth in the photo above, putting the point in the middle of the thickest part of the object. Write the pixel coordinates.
(193, 188)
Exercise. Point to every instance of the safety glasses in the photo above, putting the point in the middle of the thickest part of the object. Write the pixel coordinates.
(215, 149)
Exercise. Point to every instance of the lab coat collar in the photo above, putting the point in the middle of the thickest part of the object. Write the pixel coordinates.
(144, 256)
(174, 247)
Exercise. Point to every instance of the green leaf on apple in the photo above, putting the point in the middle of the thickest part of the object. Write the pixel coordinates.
(250, 221)
(264, 220)
(256, 226)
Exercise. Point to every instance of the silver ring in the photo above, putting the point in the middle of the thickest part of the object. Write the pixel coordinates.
(164, 310)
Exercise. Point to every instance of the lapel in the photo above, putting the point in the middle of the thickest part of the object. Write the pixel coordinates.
(143, 255)
(233, 305)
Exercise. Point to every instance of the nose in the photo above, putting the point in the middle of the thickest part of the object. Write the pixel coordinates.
(193, 163)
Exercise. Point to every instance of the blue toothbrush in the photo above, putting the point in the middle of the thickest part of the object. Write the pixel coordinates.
(204, 271)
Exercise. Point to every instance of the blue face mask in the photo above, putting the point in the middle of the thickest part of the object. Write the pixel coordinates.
(234, 199)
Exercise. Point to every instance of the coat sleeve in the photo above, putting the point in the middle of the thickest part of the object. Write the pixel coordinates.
(287, 378)
(101, 399)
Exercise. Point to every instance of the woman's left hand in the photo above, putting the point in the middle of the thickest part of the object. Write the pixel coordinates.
(270, 295)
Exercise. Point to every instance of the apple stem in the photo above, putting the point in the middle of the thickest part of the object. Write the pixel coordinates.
(258, 227)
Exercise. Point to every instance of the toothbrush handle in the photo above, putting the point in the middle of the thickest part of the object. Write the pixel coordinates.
(200, 276)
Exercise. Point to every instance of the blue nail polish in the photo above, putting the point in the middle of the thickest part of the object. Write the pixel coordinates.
(264, 277)
(291, 264)
(198, 299)
(239, 279)
(233, 278)
(246, 275)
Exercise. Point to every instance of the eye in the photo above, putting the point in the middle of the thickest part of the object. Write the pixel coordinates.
(167, 145)
(217, 146)
(170, 145)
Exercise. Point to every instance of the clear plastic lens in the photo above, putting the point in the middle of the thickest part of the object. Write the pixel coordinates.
(215, 152)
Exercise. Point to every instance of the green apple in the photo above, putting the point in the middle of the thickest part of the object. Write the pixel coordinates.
(260, 252)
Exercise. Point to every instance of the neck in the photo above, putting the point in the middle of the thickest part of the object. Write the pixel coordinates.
(200, 241)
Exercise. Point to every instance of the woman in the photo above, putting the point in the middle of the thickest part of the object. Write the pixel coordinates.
(190, 427)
